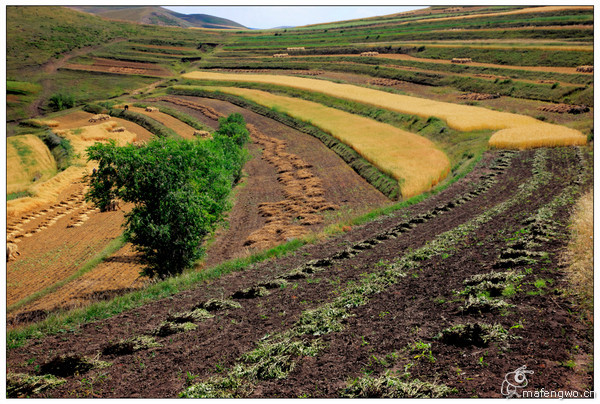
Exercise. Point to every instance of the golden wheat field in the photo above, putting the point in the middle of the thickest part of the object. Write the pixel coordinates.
(411, 159)
(28, 160)
(460, 117)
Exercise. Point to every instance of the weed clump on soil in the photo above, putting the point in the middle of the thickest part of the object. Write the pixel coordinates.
(68, 365)
(483, 304)
(168, 328)
(189, 316)
(478, 334)
(492, 283)
(390, 386)
(220, 304)
(251, 293)
(322, 320)
(274, 284)
(131, 345)
(23, 385)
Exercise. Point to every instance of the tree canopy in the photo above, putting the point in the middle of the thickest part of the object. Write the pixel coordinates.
(178, 188)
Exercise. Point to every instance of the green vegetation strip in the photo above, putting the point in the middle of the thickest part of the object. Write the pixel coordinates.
(110, 249)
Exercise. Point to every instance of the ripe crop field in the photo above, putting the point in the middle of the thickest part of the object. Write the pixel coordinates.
(388, 207)
(30, 160)
(412, 160)
(461, 117)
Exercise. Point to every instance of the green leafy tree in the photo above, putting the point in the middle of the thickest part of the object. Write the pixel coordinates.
(179, 189)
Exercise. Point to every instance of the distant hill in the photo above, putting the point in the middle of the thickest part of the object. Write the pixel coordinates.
(159, 16)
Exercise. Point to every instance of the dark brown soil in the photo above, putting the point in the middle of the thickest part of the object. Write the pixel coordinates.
(415, 309)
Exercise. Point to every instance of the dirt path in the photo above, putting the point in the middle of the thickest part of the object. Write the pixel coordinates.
(50, 67)
(380, 298)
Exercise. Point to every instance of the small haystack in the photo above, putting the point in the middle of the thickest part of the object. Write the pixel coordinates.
(565, 108)
(585, 69)
(461, 60)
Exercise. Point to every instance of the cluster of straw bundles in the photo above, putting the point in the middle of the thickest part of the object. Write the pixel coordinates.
(303, 193)
(384, 82)
(201, 133)
(369, 53)
(281, 55)
(478, 96)
(461, 60)
(99, 118)
(585, 69)
(151, 109)
(118, 129)
(565, 108)
(297, 48)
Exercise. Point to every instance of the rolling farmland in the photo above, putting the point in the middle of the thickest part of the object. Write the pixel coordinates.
(403, 225)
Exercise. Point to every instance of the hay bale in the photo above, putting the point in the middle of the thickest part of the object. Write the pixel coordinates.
(585, 69)
(461, 60)
(565, 108)
(118, 129)
(201, 133)
(369, 53)
(281, 55)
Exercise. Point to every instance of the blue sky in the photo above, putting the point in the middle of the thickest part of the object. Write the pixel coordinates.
(276, 16)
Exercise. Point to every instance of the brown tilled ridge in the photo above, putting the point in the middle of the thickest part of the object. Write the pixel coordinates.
(478, 96)
(205, 110)
(303, 193)
(565, 108)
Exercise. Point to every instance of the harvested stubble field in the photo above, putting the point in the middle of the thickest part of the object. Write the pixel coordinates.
(55, 230)
(182, 129)
(364, 313)
(515, 131)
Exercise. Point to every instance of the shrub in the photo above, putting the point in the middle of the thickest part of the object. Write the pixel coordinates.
(61, 101)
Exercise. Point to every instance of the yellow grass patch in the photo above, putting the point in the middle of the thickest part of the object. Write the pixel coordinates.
(580, 251)
(27, 158)
(411, 159)
(461, 117)
(44, 192)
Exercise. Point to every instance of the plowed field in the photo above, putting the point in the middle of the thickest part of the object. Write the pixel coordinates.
(121, 67)
(385, 301)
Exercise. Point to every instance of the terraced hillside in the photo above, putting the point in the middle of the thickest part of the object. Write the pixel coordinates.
(399, 229)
